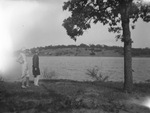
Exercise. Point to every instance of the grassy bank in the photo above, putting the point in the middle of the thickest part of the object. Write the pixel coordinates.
(66, 96)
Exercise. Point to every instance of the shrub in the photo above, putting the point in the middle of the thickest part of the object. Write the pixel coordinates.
(92, 53)
(48, 75)
(96, 74)
(1, 78)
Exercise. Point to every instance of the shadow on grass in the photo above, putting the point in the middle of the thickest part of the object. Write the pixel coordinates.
(142, 88)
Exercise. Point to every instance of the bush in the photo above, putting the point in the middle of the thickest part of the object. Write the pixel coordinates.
(48, 75)
(1, 79)
(96, 74)
(92, 53)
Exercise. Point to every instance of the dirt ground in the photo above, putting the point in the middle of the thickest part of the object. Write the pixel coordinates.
(66, 96)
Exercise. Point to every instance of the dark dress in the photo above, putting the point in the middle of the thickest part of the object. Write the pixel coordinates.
(35, 66)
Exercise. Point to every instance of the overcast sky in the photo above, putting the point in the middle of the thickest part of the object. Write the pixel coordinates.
(34, 23)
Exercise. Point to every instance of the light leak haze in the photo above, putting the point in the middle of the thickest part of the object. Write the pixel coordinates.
(33, 23)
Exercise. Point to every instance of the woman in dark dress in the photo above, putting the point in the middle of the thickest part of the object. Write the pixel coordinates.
(35, 68)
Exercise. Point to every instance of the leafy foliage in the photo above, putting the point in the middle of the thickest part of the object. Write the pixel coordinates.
(96, 74)
(119, 15)
(111, 12)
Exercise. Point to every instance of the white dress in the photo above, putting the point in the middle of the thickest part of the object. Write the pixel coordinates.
(24, 64)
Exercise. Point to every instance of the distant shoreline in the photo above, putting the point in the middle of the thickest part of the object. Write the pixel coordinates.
(88, 50)
(90, 56)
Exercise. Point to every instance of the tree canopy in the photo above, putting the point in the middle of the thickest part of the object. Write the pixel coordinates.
(85, 12)
(120, 15)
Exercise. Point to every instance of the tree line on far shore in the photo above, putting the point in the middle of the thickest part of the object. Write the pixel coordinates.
(93, 49)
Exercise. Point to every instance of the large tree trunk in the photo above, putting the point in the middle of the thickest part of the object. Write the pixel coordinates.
(128, 79)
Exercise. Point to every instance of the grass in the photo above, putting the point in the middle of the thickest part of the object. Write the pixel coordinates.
(66, 96)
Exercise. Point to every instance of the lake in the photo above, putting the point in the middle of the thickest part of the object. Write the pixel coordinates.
(75, 68)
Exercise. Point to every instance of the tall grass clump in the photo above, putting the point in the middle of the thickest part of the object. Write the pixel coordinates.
(48, 75)
(1, 77)
(2, 89)
(96, 74)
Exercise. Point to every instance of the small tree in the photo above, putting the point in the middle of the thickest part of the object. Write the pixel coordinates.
(118, 14)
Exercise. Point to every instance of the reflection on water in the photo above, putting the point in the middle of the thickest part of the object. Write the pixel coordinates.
(75, 67)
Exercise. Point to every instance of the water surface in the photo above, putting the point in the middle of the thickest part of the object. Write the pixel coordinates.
(75, 68)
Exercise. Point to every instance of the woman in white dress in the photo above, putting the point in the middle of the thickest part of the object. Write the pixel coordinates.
(22, 59)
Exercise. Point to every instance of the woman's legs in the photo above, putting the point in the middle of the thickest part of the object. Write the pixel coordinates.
(36, 80)
(23, 82)
(27, 81)
(27, 77)
(36, 73)
(23, 77)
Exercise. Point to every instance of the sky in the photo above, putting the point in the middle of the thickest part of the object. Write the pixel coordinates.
(35, 23)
